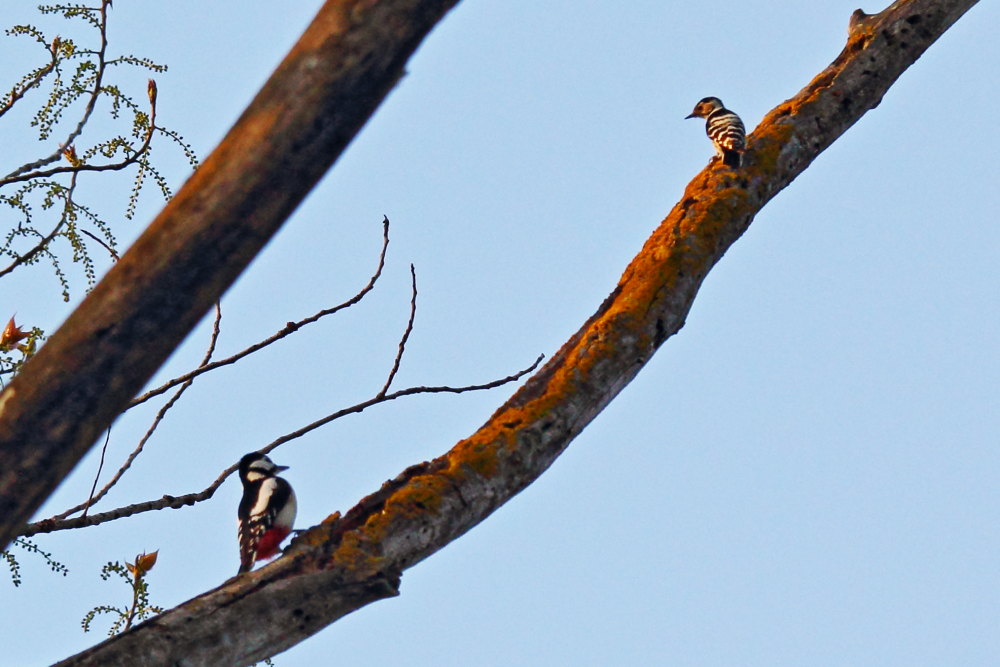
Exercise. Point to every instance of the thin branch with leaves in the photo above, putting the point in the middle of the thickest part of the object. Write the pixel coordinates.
(27, 545)
(79, 81)
(139, 608)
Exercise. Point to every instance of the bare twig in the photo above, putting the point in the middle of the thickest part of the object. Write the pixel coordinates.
(216, 328)
(175, 502)
(100, 467)
(289, 328)
(111, 251)
(406, 333)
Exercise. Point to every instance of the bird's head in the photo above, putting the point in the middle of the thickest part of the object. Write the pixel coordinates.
(256, 466)
(706, 106)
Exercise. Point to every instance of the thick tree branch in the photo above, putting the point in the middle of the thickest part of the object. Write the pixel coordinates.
(346, 62)
(345, 563)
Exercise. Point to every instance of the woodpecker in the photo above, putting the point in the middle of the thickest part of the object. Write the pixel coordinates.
(267, 510)
(724, 128)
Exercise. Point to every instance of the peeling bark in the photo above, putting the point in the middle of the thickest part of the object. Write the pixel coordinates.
(347, 562)
(326, 88)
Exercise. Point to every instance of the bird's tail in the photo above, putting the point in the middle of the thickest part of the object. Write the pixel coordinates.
(732, 158)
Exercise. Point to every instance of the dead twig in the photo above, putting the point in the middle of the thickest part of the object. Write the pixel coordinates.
(406, 333)
(111, 251)
(216, 329)
(289, 328)
(100, 467)
(175, 502)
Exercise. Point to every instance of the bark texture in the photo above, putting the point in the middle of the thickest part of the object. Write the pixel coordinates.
(347, 562)
(342, 67)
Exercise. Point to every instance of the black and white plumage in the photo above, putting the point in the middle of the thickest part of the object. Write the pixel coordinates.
(724, 128)
(267, 510)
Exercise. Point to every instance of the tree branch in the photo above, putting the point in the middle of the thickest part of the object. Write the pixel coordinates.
(44, 243)
(19, 91)
(93, 498)
(342, 67)
(345, 563)
(19, 174)
(60, 522)
(289, 328)
(406, 333)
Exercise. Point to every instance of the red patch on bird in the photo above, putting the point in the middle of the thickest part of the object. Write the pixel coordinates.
(267, 546)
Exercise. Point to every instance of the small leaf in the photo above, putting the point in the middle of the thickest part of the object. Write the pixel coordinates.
(70, 154)
(11, 336)
(145, 562)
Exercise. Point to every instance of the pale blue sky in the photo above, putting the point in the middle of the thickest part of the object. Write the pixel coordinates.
(805, 474)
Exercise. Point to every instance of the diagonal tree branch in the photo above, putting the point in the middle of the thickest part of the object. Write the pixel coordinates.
(21, 89)
(345, 63)
(345, 563)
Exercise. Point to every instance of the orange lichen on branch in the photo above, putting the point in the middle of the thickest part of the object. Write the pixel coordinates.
(422, 494)
(769, 138)
(477, 454)
(355, 555)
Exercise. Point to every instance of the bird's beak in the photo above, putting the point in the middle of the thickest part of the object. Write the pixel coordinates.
(689, 116)
(280, 468)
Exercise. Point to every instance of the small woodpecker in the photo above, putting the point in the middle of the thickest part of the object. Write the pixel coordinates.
(267, 510)
(724, 128)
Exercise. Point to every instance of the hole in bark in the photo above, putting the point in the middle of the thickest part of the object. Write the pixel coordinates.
(904, 45)
(913, 20)
(661, 333)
